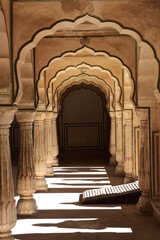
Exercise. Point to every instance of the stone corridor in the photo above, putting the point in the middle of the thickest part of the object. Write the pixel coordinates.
(61, 216)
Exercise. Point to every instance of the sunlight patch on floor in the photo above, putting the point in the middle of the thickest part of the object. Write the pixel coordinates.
(76, 178)
(76, 183)
(30, 226)
(65, 201)
(80, 173)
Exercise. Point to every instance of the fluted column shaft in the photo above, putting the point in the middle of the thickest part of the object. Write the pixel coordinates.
(8, 213)
(112, 144)
(144, 204)
(39, 156)
(26, 181)
(128, 145)
(119, 144)
(55, 139)
(48, 143)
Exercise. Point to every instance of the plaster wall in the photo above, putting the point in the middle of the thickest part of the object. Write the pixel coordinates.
(142, 16)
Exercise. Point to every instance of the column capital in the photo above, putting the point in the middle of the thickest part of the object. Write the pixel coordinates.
(142, 113)
(49, 116)
(127, 115)
(119, 114)
(112, 114)
(25, 116)
(39, 116)
(7, 115)
(55, 115)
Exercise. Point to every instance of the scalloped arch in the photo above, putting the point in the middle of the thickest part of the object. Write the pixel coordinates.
(72, 24)
(78, 83)
(106, 73)
(78, 51)
(85, 66)
(90, 79)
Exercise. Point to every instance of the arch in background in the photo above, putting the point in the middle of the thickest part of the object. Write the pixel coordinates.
(21, 58)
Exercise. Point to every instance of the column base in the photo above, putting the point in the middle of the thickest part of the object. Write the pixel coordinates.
(144, 205)
(41, 184)
(119, 170)
(112, 161)
(50, 171)
(26, 206)
(55, 162)
(6, 236)
(128, 179)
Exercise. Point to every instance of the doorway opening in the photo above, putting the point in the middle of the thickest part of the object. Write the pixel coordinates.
(83, 125)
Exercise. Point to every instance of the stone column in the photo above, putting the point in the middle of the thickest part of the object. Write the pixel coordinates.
(39, 156)
(55, 140)
(8, 213)
(26, 181)
(48, 143)
(112, 144)
(119, 144)
(128, 145)
(144, 204)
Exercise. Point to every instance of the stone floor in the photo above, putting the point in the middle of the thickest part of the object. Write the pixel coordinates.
(62, 217)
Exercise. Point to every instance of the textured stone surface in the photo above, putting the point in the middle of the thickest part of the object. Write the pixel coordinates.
(26, 182)
(39, 155)
(8, 215)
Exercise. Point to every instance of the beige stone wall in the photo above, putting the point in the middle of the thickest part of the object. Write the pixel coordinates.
(6, 8)
(5, 73)
(142, 16)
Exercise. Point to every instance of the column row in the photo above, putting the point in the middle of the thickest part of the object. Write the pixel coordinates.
(38, 155)
(129, 149)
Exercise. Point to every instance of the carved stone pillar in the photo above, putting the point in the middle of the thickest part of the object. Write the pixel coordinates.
(26, 182)
(39, 156)
(55, 140)
(128, 145)
(48, 143)
(112, 145)
(8, 213)
(144, 204)
(119, 144)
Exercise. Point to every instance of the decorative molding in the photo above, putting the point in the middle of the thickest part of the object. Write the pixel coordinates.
(85, 40)
(97, 126)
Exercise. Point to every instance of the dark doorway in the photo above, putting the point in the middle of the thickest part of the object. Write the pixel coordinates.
(83, 124)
